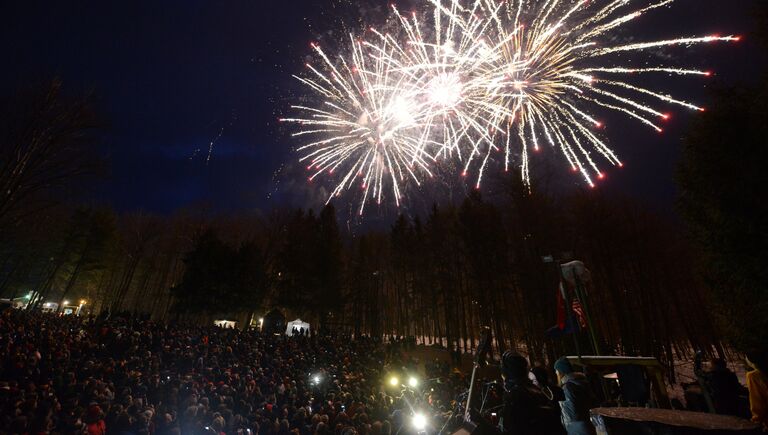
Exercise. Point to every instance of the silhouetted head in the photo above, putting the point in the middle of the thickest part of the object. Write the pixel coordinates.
(563, 366)
(514, 366)
(719, 364)
(542, 377)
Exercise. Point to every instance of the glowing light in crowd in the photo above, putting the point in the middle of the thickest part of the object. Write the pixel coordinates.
(419, 421)
(394, 381)
(471, 82)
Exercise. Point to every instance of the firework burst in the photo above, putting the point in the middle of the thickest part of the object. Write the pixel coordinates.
(366, 129)
(545, 78)
(474, 77)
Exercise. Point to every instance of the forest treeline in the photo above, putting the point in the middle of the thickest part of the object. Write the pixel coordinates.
(441, 275)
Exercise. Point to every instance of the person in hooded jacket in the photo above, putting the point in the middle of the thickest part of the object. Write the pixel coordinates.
(526, 409)
(578, 400)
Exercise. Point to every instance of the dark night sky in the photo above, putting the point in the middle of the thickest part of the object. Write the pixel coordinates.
(171, 76)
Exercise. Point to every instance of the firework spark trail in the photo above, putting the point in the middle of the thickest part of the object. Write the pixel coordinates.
(668, 42)
(620, 70)
(599, 30)
(469, 77)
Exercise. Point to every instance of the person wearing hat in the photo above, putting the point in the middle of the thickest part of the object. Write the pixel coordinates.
(579, 399)
(526, 408)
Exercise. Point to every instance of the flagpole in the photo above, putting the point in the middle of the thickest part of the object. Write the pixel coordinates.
(581, 296)
(568, 310)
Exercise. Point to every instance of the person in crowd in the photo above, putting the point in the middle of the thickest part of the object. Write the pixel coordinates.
(526, 409)
(634, 385)
(757, 384)
(95, 424)
(721, 384)
(550, 389)
(578, 399)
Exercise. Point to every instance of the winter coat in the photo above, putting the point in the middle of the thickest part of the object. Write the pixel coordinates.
(725, 389)
(527, 410)
(579, 399)
(97, 428)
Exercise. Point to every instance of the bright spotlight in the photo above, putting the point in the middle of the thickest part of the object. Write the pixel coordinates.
(394, 381)
(419, 421)
(316, 379)
(413, 382)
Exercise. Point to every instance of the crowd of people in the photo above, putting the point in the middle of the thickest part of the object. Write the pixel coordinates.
(124, 376)
(70, 375)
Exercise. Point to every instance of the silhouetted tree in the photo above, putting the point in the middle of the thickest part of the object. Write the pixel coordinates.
(46, 142)
(328, 266)
(219, 279)
(722, 179)
(96, 239)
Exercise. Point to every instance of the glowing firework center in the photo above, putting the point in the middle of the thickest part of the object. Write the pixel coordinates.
(395, 116)
(445, 90)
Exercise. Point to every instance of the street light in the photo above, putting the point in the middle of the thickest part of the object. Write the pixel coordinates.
(413, 382)
(65, 302)
(394, 381)
(83, 301)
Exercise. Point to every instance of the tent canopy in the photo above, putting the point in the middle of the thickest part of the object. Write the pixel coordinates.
(298, 323)
(224, 323)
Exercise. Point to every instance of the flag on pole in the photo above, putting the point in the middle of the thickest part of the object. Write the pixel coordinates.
(567, 324)
(576, 307)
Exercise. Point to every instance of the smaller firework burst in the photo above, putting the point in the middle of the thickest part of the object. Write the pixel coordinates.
(364, 133)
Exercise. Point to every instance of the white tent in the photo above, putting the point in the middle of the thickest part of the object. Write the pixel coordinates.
(298, 323)
(223, 323)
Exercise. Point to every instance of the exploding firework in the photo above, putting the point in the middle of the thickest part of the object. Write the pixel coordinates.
(544, 75)
(451, 75)
(479, 76)
(365, 129)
